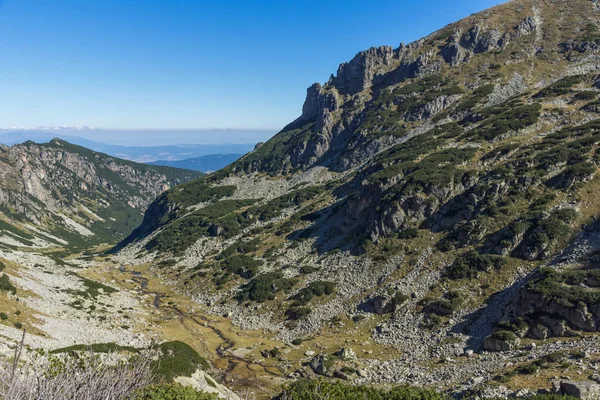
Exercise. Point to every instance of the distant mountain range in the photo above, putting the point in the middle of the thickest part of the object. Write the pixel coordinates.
(213, 162)
(144, 154)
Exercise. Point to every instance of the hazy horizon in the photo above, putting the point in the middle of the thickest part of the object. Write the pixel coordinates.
(141, 137)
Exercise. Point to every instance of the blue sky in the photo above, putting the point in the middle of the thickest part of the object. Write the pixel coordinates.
(177, 64)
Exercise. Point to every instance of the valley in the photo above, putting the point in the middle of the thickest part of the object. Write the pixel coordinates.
(430, 219)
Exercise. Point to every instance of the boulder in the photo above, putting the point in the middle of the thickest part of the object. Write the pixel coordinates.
(321, 365)
(379, 305)
(586, 390)
(496, 344)
(346, 354)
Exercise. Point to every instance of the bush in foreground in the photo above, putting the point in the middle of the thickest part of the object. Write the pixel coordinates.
(322, 389)
(171, 392)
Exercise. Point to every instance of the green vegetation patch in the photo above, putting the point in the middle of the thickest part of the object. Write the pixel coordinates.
(564, 287)
(472, 263)
(97, 348)
(335, 390)
(273, 156)
(314, 289)
(171, 392)
(498, 120)
(223, 218)
(178, 359)
(6, 285)
(265, 287)
(561, 87)
(389, 109)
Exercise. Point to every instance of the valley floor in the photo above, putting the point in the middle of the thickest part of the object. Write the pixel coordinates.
(86, 300)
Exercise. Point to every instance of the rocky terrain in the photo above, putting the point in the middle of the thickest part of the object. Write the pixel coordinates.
(58, 194)
(430, 196)
(430, 219)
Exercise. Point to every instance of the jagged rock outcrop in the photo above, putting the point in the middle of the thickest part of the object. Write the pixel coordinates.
(357, 74)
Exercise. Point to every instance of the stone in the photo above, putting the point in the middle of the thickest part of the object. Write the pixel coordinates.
(494, 344)
(362, 373)
(321, 365)
(470, 353)
(526, 27)
(346, 354)
(380, 305)
(309, 353)
(477, 380)
(586, 390)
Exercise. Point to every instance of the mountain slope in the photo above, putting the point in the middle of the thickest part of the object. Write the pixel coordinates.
(213, 162)
(415, 199)
(57, 193)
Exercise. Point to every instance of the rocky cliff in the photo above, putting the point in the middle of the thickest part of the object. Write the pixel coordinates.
(57, 193)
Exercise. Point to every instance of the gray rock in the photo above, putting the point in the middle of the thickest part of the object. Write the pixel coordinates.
(494, 344)
(586, 390)
(320, 365)
(357, 74)
(346, 354)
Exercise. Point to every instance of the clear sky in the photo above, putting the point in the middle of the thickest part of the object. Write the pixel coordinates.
(125, 64)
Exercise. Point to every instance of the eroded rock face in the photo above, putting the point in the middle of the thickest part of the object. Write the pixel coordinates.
(357, 74)
(47, 181)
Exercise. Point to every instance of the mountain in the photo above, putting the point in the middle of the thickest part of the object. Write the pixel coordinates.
(59, 194)
(213, 162)
(439, 197)
(133, 153)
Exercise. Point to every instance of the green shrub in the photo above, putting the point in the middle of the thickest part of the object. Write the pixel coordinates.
(447, 306)
(409, 233)
(297, 342)
(296, 313)
(314, 289)
(264, 287)
(18, 325)
(564, 287)
(505, 335)
(2, 266)
(3, 316)
(528, 369)
(471, 264)
(222, 218)
(243, 265)
(560, 87)
(96, 348)
(502, 119)
(6, 285)
(171, 392)
(177, 359)
(307, 269)
(585, 95)
(167, 263)
(321, 389)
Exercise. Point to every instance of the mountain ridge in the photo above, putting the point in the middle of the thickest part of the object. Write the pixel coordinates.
(429, 219)
(71, 191)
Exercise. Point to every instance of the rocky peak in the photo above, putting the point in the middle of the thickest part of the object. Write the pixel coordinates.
(357, 74)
